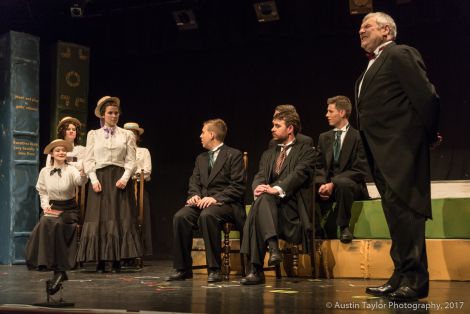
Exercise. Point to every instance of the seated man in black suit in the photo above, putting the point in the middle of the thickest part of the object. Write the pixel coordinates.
(299, 137)
(283, 190)
(341, 165)
(215, 196)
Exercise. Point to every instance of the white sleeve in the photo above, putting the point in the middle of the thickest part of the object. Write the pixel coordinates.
(42, 189)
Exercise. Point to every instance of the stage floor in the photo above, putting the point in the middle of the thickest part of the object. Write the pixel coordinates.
(146, 290)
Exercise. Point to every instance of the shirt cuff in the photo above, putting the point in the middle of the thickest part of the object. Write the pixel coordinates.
(282, 194)
(93, 177)
(126, 175)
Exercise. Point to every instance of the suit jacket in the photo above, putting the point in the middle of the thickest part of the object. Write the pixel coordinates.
(301, 138)
(296, 179)
(398, 112)
(226, 182)
(352, 159)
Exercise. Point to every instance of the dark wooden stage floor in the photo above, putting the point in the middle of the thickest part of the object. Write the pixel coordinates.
(146, 291)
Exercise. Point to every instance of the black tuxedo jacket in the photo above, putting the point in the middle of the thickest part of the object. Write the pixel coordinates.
(226, 182)
(398, 114)
(296, 179)
(352, 159)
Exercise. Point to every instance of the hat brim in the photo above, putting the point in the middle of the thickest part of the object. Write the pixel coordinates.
(104, 101)
(68, 146)
(140, 130)
(69, 120)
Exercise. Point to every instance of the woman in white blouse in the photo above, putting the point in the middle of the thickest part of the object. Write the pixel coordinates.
(143, 162)
(109, 231)
(69, 129)
(53, 241)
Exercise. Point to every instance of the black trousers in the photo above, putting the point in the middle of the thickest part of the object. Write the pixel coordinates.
(270, 217)
(346, 191)
(210, 222)
(407, 230)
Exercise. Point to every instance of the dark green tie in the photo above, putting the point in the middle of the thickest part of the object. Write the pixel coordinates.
(337, 145)
(211, 160)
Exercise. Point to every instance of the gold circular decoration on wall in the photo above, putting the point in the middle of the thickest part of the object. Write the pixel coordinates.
(72, 78)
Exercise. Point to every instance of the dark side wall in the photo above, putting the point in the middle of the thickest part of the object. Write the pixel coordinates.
(238, 70)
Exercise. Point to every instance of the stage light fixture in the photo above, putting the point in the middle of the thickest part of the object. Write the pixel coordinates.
(185, 19)
(77, 10)
(266, 11)
(360, 6)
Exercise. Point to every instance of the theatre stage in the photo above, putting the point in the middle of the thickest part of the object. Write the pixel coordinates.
(146, 291)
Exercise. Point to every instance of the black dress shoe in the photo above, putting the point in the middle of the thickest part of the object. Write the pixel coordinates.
(55, 284)
(215, 276)
(101, 267)
(253, 278)
(275, 257)
(179, 275)
(116, 268)
(345, 236)
(403, 294)
(380, 290)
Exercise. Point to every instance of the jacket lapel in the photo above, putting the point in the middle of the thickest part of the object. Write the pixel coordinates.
(346, 149)
(219, 162)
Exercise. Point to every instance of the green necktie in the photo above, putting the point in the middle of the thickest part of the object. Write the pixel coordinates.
(337, 145)
(211, 160)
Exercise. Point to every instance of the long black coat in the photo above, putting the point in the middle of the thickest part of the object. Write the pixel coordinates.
(226, 182)
(398, 114)
(296, 179)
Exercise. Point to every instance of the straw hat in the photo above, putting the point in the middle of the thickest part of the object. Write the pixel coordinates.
(55, 143)
(104, 100)
(134, 126)
(68, 120)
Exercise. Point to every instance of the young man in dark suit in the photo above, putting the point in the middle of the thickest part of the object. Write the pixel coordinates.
(398, 111)
(341, 165)
(215, 196)
(283, 190)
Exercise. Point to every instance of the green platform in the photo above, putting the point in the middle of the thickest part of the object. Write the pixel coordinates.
(451, 220)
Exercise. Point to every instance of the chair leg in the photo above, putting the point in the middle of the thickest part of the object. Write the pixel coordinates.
(226, 251)
(295, 260)
(278, 271)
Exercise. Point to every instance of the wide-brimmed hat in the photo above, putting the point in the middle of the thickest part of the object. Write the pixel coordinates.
(134, 126)
(104, 100)
(68, 120)
(68, 146)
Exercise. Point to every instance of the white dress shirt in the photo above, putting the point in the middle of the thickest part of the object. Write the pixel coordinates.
(377, 53)
(78, 151)
(143, 161)
(118, 149)
(58, 188)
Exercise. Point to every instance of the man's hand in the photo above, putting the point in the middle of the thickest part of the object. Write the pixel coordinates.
(206, 202)
(265, 188)
(97, 187)
(193, 200)
(439, 140)
(326, 190)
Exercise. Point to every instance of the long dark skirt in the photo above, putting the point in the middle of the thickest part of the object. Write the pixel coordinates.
(147, 234)
(109, 231)
(53, 242)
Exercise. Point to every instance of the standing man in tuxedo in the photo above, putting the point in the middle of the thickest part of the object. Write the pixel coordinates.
(301, 138)
(341, 165)
(283, 190)
(215, 196)
(398, 112)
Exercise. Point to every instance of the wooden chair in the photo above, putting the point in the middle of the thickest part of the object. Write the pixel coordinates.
(139, 183)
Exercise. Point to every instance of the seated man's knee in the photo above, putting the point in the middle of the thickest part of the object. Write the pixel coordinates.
(344, 183)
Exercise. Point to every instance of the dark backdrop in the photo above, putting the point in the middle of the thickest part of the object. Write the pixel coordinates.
(234, 68)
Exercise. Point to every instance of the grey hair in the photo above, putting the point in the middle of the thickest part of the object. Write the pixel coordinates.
(382, 20)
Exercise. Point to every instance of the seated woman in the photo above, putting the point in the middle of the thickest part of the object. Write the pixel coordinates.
(69, 129)
(53, 242)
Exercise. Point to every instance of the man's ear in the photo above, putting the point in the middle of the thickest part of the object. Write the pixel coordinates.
(290, 128)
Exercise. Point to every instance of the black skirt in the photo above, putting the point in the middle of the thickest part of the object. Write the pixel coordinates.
(109, 231)
(53, 241)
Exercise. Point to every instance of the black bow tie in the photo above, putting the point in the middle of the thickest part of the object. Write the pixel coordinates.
(58, 170)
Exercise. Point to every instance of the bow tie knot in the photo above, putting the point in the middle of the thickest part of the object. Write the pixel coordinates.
(108, 131)
(371, 55)
(58, 170)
